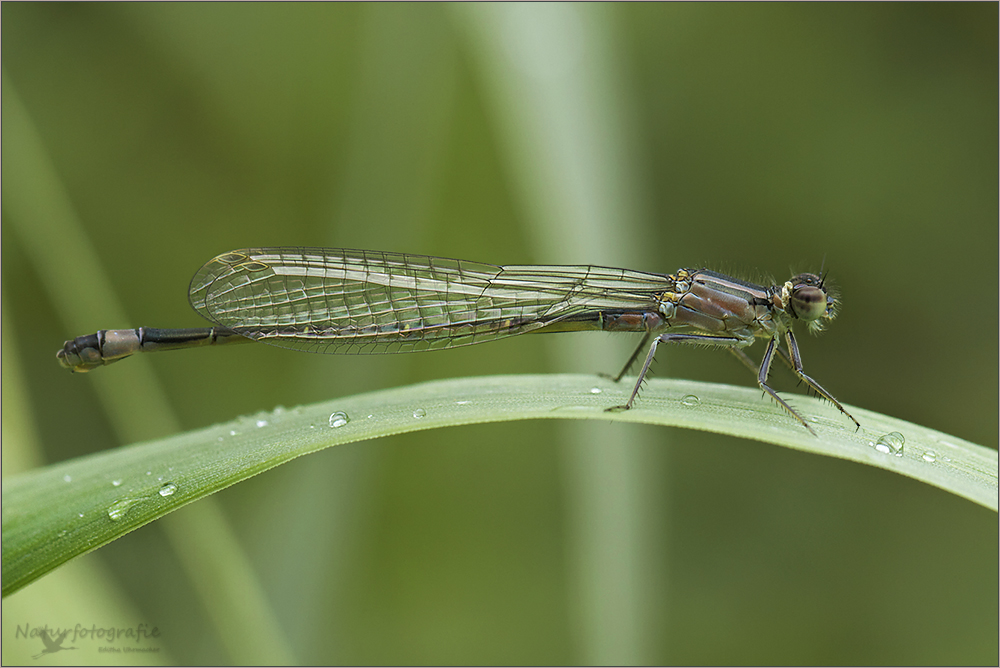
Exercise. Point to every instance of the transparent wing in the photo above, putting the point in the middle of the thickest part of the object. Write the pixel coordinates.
(354, 301)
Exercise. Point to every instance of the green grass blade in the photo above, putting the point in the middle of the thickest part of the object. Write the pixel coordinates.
(55, 513)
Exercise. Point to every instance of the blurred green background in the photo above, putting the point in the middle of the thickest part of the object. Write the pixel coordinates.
(755, 139)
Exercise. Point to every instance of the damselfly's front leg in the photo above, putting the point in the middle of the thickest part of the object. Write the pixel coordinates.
(793, 352)
(796, 359)
(749, 363)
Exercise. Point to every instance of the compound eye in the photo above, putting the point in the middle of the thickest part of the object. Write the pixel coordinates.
(808, 302)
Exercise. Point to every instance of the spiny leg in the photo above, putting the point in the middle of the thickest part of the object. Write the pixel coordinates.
(638, 382)
(631, 360)
(732, 343)
(765, 368)
(793, 351)
(723, 341)
(750, 364)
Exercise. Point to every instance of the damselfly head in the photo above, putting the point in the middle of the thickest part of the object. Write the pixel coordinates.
(813, 301)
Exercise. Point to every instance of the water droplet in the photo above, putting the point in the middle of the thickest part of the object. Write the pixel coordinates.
(339, 419)
(119, 508)
(116, 483)
(419, 413)
(232, 432)
(168, 489)
(691, 400)
(261, 423)
(67, 478)
(929, 457)
(595, 390)
(457, 403)
(891, 444)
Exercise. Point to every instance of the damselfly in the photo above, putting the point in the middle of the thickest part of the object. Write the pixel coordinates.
(329, 300)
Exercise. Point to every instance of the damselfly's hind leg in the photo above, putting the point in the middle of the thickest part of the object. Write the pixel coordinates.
(630, 362)
(698, 339)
